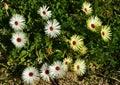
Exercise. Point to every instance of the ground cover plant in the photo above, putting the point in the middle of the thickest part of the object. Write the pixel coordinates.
(44, 42)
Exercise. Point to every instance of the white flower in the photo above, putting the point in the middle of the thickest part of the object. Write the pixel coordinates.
(106, 33)
(57, 70)
(76, 42)
(43, 11)
(52, 28)
(87, 8)
(17, 22)
(93, 23)
(79, 67)
(30, 75)
(45, 72)
(18, 39)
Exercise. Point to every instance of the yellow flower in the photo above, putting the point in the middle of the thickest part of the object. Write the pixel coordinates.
(93, 23)
(6, 6)
(67, 62)
(86, 7)
(76, 42)
(106, 33)
(83, 50)
(79, 67)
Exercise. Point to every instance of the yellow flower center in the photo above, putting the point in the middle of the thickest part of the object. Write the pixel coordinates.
(78, 67)
(85, 9)
(92, 25)
(66, 62)
(103, 33)
(74, 42)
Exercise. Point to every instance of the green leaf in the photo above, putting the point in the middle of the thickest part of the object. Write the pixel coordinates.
(32, 47)
(24, 52)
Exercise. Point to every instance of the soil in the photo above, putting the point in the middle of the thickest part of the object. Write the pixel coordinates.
(72, 79)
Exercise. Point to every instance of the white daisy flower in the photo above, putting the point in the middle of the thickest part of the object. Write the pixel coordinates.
(86, 7)
(30, 75)
(52, 28)
(17, 22)
(57, 70)
(18, 39)
(93, 23)
(106, 33)
(79, 67)
(43, 11)
(67, 62)
(76, 42)
(45, 72)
